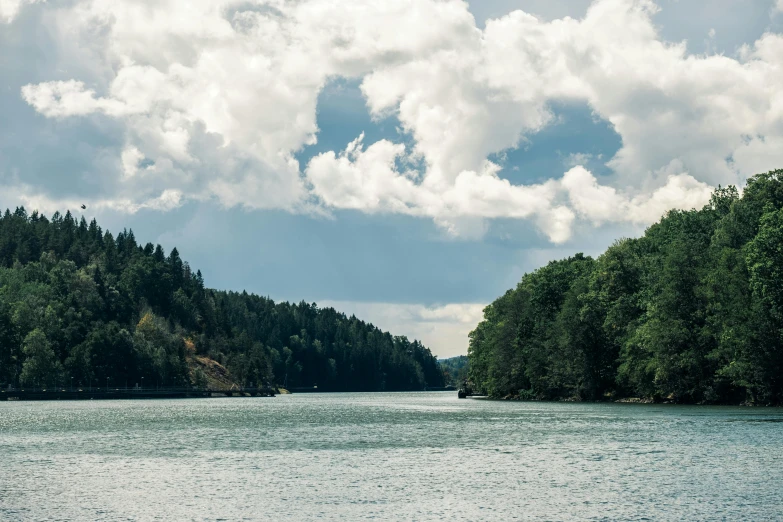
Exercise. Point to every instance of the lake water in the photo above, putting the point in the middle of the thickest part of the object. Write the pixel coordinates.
(387, 456)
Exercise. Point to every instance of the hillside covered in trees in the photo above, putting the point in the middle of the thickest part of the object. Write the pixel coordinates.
(690, 312)
(455, 370)
(78, 305)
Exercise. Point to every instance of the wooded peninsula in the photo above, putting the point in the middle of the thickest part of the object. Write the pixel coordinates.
(692, 312)
(82, 307)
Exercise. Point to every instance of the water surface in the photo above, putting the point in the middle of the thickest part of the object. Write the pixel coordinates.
(387, 456)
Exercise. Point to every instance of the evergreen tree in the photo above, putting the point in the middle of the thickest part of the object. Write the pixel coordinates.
(78, 303)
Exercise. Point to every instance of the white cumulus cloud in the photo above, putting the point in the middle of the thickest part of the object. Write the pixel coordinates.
(217, 98)
(601, 204)
(33, 199)
(369, 180)
(10, 8)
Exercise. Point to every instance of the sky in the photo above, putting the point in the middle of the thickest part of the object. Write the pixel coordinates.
(406, 162)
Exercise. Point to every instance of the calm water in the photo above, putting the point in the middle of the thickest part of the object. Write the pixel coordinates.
(395, 456)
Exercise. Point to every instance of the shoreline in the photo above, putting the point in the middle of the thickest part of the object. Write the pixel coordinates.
(81, 394)
(636, 400)
(138, 394)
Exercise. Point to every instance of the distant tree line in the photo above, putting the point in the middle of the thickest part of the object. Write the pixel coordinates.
(690, 312)
(78, 305)
(455, 370)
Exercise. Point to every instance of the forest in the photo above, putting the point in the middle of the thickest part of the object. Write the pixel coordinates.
(691, 312)
(455, 370)
(82, 307)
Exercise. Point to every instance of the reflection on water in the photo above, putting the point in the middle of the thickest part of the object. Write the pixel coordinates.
(392, 456)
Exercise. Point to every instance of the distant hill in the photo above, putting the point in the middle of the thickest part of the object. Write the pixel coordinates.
(78, 305)
(455, 369)
(690, 312)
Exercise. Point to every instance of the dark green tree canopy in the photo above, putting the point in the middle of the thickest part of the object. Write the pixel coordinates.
(78, 303)
(690, 312)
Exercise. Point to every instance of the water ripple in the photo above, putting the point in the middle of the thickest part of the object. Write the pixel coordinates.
(416, 456)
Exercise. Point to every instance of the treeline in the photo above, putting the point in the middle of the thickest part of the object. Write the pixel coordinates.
(690, 312)
(455, 370)
(78, 305)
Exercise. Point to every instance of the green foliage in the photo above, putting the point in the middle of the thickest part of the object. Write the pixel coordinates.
(455, 370)
(41, 365)
(690, 312)
(78, 303)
